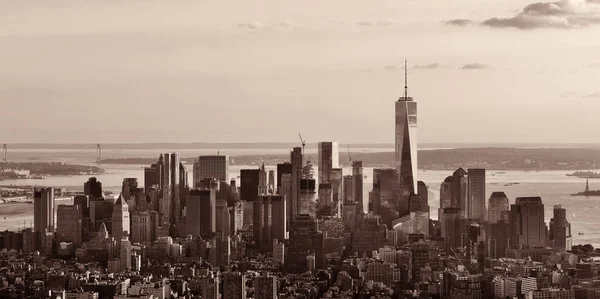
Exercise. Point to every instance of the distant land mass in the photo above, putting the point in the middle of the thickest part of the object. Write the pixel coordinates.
(497, 158)
(286, 145)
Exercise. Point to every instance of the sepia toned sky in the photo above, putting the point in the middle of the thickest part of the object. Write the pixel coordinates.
(264, 70)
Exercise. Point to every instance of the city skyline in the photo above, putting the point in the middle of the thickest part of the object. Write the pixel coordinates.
(462, 62)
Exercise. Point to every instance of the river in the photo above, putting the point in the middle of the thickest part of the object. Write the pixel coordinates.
(553, 186)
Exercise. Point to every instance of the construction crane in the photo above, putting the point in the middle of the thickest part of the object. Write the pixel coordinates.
(303, 143)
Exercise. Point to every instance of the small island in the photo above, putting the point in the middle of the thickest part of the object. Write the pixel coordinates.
(39, 170)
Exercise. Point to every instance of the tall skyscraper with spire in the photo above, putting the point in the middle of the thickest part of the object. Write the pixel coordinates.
(406, 141)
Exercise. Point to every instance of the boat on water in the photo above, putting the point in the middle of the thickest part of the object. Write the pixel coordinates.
(585, 174)
(581, 234)
(587, 191)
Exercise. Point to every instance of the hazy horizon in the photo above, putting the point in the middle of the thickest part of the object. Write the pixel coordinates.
(228, 71)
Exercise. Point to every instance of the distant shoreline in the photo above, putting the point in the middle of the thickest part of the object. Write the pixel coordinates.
(289, 145)
(527, 159)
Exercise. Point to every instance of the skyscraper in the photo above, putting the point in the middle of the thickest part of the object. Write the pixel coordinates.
(249, 181)
(120, 220)
(528, 228)
(305, 237)
(68, 227)
(279, 217)
(406, 141)
(128, 187)
(337, 188)
(328, 159)
(560, 230)
(234, 285)
(265, 287)
(93, 188)
(348, 193)
(201, 213)
(283, 168)
(170, 185)
(210, 167)
(262, 222)
(497, 206)
(271, 183)
(357, 182)
(152, 177)
(263, 186)
(141, 228)
(386, 189)
(285, 191)
(125, 254)
(296, 160)
(476, 193)
(43, 210)
(222, 217)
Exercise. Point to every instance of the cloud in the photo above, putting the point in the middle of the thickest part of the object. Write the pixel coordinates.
(434, 65)
(385, 22)
(564, 14)
(594, 95)
(459, 22)
(574, 94)
(474, 66)
(260, 25)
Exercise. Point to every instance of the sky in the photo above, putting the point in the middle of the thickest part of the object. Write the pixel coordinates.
(133, 71)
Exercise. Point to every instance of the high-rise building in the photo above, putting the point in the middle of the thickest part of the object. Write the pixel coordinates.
(307, 197)
(283, 168)
(424, 195)
(152, 177)
(222, 217)
(357, 182)
(93, 188)
(528, 228)
(210, 167)
(305, 238)
(560, 230)
(271, 183)
(184, 188)
(234, 285)
(263, 222)
(296, 159)
(279, 217)
(285, 190)
(141, 228)
(201, 213)
(337, 188)
(328, 159)
(497, 206)
(263, 186)
(128, 187)
(125, 254)
(249, 181)
(406, 142)
(476, 193)
(420, 258)
(265, 287)
(348, 193)
(43, 210)
(120, 220)
(325, 203)
(68, 226)
(210, 287)
(386, 190)
(453, 227)
(170, 185)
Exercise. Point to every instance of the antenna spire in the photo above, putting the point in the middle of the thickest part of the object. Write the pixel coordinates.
(405, 80)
